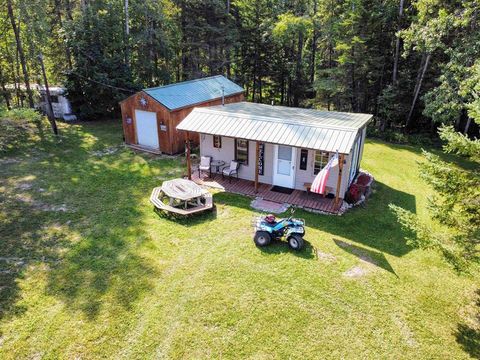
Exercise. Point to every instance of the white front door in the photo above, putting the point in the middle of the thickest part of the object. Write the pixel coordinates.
(284, 166)
(146, 125)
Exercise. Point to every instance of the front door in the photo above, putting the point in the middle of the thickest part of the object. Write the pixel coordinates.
(284, 166)
(146, 126)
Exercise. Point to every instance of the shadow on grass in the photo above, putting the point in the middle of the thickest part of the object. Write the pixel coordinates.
(187, 220)
(373, 225)
(102, 198)
(468, 335)
(279, 246)
(372, 257)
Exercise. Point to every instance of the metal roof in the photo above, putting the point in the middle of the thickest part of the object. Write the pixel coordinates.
(304, 128)
(187, 93)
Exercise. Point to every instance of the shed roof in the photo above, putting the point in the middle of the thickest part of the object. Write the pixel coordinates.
(187, 93)
(305, 128)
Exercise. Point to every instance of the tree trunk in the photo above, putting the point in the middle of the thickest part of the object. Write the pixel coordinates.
(58, 12)
(16, 31)
(467, 125)
(50, 114)
(127, 34)
(314, 44)
(397, 45)
(68, 9)
(298, 70)
(417, 91)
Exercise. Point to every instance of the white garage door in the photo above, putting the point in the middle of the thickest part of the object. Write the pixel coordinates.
(146, 124)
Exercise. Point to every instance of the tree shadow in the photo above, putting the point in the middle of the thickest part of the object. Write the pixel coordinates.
(374, 224)
(468, 335)
(372, 257)
(95, 250)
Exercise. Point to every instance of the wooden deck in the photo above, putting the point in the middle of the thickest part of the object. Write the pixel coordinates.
(297, 198)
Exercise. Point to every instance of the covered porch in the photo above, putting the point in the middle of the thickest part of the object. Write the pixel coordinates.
(297, 198)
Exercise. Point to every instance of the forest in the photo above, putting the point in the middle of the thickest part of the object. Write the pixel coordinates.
(413, 64)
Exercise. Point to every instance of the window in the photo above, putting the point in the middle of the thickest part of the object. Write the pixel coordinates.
(303, 159)
(241, 151)
(321, 159)
(217, 141)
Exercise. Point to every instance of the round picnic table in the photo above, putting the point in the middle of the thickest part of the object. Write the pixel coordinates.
(182, 190)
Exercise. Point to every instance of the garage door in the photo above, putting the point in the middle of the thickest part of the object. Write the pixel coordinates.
(146, 125)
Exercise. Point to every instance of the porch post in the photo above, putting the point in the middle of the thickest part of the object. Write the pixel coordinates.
(339, 180)
(189, 163)
(257, 150)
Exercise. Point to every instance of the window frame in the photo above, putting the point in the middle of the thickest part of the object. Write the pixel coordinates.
(325, 156)
(247, 151)
(219, 143)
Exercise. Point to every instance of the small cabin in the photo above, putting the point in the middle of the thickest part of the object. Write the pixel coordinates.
(281, 146)
(150, 116)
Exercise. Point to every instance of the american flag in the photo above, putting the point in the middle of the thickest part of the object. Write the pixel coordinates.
(320, 182)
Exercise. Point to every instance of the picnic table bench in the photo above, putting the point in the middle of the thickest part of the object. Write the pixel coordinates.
(181, 196)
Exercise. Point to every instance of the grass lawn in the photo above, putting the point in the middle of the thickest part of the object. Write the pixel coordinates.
(88, 270)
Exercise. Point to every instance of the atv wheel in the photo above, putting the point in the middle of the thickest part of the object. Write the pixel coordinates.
(262, 238)
(296, 242)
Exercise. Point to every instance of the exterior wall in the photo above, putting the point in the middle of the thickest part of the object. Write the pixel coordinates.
(307, 176)
(177, 138)
(171, 140)
(128, 107)
(247, 172)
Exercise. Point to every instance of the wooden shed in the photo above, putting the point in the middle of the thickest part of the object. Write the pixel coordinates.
(150, 117)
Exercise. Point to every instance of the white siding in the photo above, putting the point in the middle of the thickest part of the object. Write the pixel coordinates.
(307, 176)
(247, 172)
(227, 153)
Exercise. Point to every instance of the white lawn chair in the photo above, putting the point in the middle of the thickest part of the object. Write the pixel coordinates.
(205, 165)
(231, 170)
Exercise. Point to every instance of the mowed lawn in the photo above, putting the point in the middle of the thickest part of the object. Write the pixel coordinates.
(88, 270)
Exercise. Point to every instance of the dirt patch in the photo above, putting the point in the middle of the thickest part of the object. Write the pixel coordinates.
(8, 161)
(325, 257)
(405, 331)
(356, 272)
(40, 205)
(107, 151)
(24, 186)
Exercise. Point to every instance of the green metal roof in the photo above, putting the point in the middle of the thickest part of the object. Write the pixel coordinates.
(187, 93)
(303, 128)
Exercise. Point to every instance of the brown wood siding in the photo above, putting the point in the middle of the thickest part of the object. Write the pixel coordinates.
(178, 137)
(171, 141)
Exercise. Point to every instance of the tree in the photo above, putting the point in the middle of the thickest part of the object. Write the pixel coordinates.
(23, 61)
(455, 209)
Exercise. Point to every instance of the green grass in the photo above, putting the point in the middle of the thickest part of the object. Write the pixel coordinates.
(109, 278)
